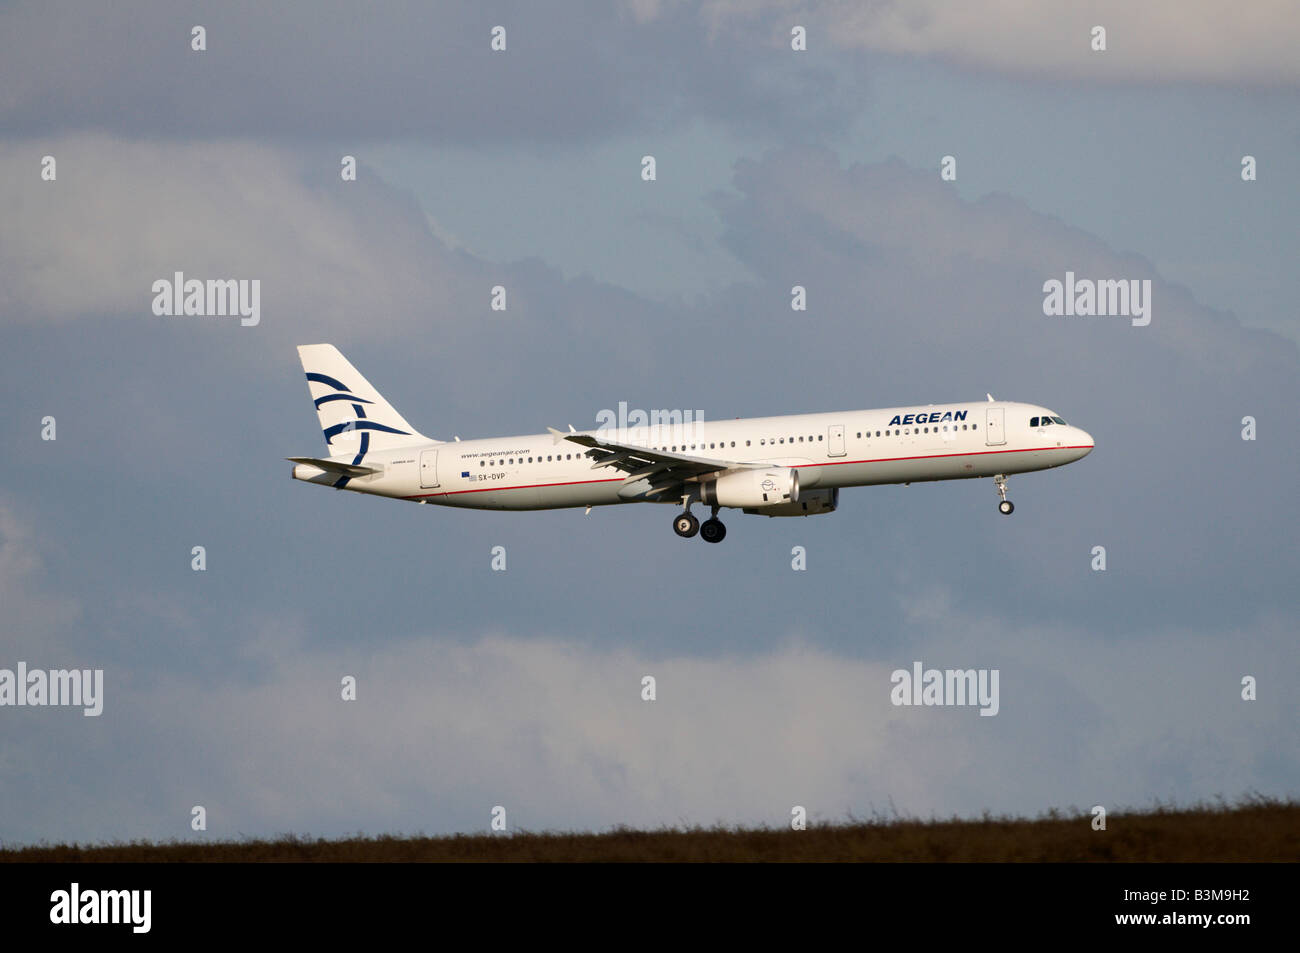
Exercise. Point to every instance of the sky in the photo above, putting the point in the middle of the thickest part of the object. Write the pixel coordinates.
(522, 168)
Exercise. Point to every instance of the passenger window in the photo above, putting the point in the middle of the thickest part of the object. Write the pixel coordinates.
(819, 437)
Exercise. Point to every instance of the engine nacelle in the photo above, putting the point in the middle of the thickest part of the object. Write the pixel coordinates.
(810, 503)
(766, 487)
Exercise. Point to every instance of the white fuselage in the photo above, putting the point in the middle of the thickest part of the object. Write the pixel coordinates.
(833, 450)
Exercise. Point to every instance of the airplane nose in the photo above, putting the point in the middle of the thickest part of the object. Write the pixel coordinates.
(1085, 442)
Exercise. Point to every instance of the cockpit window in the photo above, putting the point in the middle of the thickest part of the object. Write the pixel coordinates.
(1033, 421)
(1060, 421)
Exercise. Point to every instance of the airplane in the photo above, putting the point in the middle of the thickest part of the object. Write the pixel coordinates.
(792, 465)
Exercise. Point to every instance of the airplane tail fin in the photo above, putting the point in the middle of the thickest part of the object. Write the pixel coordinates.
(353, 417)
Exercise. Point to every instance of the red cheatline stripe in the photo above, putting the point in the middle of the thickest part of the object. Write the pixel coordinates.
(834, 463)
(529, 486)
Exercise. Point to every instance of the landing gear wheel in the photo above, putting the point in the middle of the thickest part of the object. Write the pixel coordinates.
(713, 531)
(686, 525)
(1006, 507)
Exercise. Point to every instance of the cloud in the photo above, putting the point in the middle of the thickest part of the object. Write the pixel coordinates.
(479, 689)
(405, 71)
(31, 613)
(901, 273)
(402, 70)
(124, 213)
(557, 733)
(1162, 41)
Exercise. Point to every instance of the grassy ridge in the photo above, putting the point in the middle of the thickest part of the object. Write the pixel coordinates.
(1260, 829)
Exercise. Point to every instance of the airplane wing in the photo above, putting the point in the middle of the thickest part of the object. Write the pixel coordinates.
(664, 470)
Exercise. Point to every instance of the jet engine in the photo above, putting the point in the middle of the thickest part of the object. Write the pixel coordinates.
(742, 488)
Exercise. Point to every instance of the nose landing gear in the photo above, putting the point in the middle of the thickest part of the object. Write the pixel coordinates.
(1006, 507)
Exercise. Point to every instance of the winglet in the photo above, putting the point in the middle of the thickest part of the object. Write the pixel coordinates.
(990, 397)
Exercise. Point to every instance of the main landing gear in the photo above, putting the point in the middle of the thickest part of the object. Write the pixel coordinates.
(1006, 507)
(711, 530)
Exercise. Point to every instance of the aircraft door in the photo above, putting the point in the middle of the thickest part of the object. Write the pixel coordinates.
(428, 468)
(994, 431)
(836, 437)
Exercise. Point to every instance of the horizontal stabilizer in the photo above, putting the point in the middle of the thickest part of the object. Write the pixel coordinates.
(333, 466)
